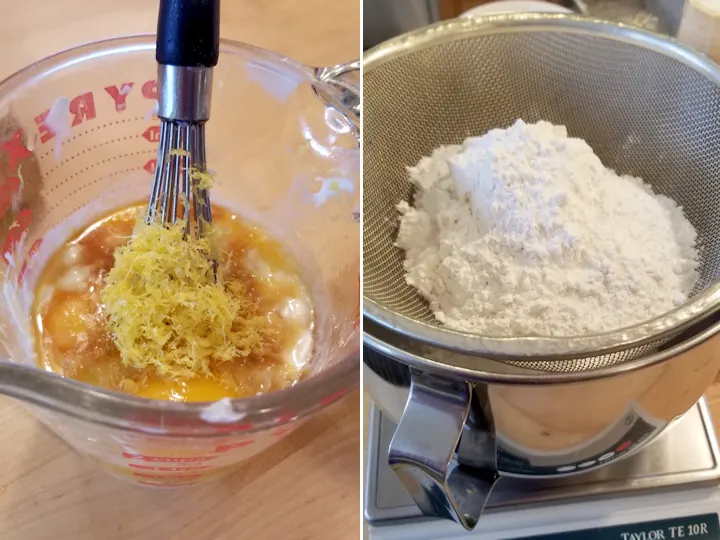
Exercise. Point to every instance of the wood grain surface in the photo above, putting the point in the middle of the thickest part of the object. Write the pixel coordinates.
(305, 487)
(713, 399)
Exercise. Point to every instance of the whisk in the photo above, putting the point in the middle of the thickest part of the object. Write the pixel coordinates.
(188, 42)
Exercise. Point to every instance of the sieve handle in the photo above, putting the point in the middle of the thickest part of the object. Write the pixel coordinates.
(188, 33)
(424, 450)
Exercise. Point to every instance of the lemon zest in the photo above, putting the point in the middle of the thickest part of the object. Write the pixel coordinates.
(203, 179)
(168, 313)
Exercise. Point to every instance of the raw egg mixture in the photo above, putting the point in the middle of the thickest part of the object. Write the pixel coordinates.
(74, 339)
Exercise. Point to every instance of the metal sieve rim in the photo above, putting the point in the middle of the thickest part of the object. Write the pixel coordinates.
(485, 370)
(539, 347)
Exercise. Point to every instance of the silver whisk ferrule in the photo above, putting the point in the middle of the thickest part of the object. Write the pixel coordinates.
(184, 93)
(183, 108)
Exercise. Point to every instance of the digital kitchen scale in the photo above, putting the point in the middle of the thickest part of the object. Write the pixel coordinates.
(670, 489)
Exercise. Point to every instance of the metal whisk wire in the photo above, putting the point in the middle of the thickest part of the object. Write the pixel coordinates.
(188, 47)
(175, 193)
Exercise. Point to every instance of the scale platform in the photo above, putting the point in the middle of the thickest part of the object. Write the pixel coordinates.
(668, 490)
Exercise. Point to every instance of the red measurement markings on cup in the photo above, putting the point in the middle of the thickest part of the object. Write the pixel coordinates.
(170, 476)
(169, 459)
(120, 95)
(15, 150)
(168, 469)
(152, 134)
(327, 400)
(149, 89)
(232, 446)
(83, 109)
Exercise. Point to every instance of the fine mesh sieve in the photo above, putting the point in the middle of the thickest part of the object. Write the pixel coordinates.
(647, 106)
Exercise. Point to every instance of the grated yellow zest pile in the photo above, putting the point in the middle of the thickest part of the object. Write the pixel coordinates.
(166, 311)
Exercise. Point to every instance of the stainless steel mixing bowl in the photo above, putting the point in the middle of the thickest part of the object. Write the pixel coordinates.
(649, 107)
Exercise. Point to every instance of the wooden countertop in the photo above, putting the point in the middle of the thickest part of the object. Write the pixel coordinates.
(713, 399)
(305, 487)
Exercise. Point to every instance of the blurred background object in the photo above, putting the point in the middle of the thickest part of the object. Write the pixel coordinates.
(700, 26)
(383, 19)
(668, 13)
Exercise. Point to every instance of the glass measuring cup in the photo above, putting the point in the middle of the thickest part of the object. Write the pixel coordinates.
(79, 139)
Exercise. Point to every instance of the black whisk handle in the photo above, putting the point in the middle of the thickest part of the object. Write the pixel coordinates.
(188, 33)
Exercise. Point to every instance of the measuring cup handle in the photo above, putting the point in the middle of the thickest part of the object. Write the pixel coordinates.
(337, 71)
(345, 79)
(424, 451)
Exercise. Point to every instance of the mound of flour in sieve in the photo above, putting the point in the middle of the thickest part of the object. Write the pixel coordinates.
(523, 231)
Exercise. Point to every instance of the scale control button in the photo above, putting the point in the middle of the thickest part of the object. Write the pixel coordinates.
(566, 468)
(605, 457)
(586, 464)
(623, 446)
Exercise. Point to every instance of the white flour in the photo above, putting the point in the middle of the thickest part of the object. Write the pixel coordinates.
(523, 231)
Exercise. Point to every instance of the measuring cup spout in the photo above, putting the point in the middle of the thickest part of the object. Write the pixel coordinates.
(39, 388)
